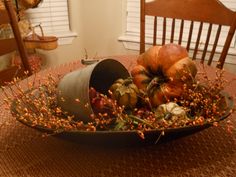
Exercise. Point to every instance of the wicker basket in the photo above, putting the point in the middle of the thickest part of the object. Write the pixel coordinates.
(35, 41)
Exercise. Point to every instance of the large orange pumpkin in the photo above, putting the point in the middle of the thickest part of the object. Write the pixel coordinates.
(162, 71)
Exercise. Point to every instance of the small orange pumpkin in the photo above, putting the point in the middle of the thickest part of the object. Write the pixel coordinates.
(162, 71)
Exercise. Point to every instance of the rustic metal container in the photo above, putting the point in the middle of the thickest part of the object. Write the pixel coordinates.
(75, 86)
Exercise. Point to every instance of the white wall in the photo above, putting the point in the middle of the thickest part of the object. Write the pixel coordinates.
(98, 24)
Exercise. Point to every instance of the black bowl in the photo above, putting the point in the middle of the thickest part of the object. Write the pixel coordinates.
(127, 138)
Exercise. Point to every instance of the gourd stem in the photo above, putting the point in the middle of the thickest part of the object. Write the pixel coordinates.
(128, 81)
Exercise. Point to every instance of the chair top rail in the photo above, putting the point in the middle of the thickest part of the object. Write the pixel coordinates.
(210, 11)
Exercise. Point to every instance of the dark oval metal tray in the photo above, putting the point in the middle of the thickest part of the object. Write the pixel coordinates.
(112, 137)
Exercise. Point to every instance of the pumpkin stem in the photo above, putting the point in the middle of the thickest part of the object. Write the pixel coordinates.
(128, 81)
(154, 83)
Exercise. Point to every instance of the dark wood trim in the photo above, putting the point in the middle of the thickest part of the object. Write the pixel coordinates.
(8, 16)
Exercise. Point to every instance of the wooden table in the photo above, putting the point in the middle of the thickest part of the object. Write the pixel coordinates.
(24, 152)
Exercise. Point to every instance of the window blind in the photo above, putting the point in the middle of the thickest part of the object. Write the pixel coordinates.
(132, 29)
(53, 16)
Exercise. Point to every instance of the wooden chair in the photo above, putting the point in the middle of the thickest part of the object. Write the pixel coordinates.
(203, 13)
(8, 16)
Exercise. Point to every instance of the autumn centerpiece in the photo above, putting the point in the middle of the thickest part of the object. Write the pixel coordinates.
(162, 92)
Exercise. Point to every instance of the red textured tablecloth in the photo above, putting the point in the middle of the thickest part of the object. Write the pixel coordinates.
(25, 153)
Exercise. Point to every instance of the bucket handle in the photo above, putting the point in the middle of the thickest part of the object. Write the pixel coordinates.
(89, 61)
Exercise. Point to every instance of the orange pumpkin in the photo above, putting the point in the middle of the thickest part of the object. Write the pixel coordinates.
(162, 71)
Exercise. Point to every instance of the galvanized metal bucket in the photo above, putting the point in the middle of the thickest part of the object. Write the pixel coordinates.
(75, 86)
